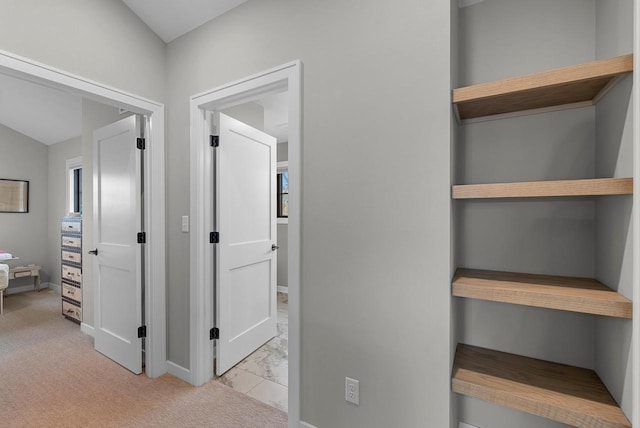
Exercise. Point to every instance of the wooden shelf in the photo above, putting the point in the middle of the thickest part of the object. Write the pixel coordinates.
(584, 295)
(582, 83)
(562, 393)
(533, 189)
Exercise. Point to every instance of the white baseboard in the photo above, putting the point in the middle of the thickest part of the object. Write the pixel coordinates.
(87, 329)
(283, 289)
(303, 424)
(179, 371)
(463, 425)
(54, 286)
(25, 288)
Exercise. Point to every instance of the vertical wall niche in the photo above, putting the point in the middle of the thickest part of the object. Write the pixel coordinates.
(585, 232)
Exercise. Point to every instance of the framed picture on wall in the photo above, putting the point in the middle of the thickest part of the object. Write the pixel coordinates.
(14, 196)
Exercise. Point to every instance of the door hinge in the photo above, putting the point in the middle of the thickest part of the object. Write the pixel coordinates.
(142, 331)
(140, 143)
(214, 238)
(142, 238)
(214, 333)
(214, 140)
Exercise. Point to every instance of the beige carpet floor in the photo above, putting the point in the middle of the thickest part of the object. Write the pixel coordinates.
(50, 376)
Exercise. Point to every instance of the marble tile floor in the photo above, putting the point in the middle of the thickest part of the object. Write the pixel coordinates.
(263, 375)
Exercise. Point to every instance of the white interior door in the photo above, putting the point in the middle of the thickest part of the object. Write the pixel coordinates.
(117, 220)
(245, 216)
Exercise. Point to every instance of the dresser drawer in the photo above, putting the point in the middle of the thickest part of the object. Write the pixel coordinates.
(22, 274)
(71, 292)
(72, 226)
(72, 273)
(72, 241)
(71, 310)
(70, 256)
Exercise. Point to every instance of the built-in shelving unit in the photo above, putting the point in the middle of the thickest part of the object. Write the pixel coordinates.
(582, 83)
(564, 293)
(563, 393)
(567, 394)
(531, 189)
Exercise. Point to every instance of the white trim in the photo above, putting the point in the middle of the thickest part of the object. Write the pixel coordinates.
(283, 289)
(53, 286)
(72, 164)
(283, 220)
(179, 371)
(465, 425)
(26, 288)
(287, 76)
(27, 69)
(87, 329)
(306, 425)
(635, 338)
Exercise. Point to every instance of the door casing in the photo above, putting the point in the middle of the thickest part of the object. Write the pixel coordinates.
(154, 199)
(285, 77)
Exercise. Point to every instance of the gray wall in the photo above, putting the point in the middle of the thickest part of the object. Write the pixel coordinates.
(57, 191)
(94, 116)
(25, 235)
(503, 38)
(375, 274)
(250, 113)
(283, 231)
(282, 276)
(99, 39)
(614, 158)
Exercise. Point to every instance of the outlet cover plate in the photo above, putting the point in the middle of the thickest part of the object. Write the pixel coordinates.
(352, 390)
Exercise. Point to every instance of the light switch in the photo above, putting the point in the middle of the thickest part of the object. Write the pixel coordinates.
(185, 223)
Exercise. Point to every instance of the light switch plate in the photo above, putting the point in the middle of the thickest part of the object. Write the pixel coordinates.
(185, 223)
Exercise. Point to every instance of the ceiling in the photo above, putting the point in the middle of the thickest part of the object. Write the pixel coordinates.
(42, 113)
(170, 19)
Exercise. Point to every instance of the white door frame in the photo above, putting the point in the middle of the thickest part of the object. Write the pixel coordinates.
(635, 340)
(287, 76)
(154, 199)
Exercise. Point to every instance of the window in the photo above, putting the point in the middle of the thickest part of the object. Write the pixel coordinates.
(74, 185)
(77, 190)
(283, 194)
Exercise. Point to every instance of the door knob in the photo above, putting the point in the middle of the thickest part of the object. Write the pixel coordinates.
(274, 247)
(94, 252)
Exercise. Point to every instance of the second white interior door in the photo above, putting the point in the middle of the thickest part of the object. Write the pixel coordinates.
(117, 206)
(245, 217)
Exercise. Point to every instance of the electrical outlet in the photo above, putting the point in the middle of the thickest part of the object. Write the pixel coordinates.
(352, 390)
(185, 223)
